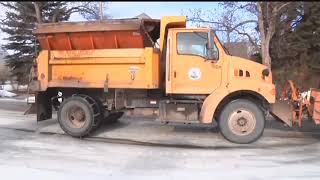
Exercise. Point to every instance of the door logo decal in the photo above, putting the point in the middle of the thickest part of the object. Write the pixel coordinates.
(194, 74)
(133, 70)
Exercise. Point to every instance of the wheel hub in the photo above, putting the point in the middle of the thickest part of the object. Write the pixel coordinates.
(76, 116)
(242, 122)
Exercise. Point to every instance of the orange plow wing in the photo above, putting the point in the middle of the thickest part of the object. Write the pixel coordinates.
(282, 110)
(287, 107)
(293, 105)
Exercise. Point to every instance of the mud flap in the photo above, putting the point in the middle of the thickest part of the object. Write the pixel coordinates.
(43, 106)
(31, 110)
(282, 110)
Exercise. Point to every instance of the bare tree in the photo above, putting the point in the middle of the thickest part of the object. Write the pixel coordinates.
(98, 11)
(89, 10)
(228, 22)
(263, 20)
(268, 15)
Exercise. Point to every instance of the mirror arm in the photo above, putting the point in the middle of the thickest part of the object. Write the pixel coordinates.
(209, 40)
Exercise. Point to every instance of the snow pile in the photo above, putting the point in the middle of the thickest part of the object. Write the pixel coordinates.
(13, 86)
(4, 93)
(22, 87)
(8, 87)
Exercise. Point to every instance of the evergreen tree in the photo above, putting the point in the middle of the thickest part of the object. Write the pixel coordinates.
(297, 40)
(296, 47)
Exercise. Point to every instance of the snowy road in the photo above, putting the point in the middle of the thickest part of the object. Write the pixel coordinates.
(28, 151)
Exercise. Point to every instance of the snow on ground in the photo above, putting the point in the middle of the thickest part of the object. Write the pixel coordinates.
(13, 99)
(30, 99)
(13, 86)
(4, 93)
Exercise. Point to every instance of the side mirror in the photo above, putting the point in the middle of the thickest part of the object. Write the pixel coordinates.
(207, 51)
(212, 54)
(207, 46)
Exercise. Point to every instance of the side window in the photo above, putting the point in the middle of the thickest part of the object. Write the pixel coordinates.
(192, 43)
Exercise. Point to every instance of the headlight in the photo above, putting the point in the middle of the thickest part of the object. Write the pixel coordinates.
(265, 72)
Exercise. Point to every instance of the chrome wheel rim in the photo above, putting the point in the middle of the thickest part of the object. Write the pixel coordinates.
(242, 122)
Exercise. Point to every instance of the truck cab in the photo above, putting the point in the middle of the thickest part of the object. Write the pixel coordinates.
(192, 60)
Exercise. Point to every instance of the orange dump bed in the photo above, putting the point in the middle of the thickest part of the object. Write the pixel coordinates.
(106, 34)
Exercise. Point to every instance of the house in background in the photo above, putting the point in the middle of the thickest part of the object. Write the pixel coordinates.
(7, 82)
(242, 49)
(143, 16)
(4, 70)
(3, 54)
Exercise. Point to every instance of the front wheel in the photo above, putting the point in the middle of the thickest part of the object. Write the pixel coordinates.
(241, 121)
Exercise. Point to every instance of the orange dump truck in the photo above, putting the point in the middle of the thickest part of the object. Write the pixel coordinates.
(161, 68)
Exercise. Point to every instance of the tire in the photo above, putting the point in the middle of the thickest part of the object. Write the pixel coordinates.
(241, 121)
(76, 116)
(101, 109)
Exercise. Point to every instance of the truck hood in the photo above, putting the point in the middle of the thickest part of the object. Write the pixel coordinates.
(252, 68)
(238, 61)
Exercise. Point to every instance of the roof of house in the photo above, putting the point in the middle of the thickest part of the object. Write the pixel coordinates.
(240, 49)
(143, 16)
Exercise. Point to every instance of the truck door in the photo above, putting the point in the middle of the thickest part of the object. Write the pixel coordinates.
(189, 71)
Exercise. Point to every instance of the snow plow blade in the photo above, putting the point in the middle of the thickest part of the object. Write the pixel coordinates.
(282, 110)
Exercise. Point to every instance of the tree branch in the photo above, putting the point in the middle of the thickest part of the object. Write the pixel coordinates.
(56, 14)
(261, 21)
(249, 38)
(81, 9)
(204, 21)
(277, 9)
(243, 23)
(38, 12)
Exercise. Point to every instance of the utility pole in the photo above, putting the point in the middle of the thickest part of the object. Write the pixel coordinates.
(101, 10)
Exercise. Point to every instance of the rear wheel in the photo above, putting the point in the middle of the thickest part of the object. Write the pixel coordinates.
(78, 115)
(241, 121)
(98, 108)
